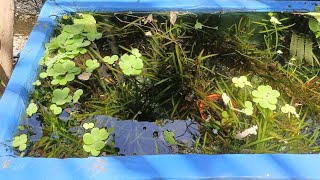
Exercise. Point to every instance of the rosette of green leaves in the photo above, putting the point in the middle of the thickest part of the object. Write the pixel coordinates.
(62, 72)
(61, 96)
(31, 109)
(131, 64)
(95, 140)
(266, 97)
(20, 142)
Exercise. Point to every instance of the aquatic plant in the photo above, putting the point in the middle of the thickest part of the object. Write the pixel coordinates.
(61, 96)
(152, 69)
(36, 83)
(31, 109)
(131, 64)
(20, 142)
(198, 25)
(88, 125)
(248, 110)
(111, 60)
(77, 95)
(241, 81)
(169, 137)
(95, 140)
(55, 109)
(92, 64)
(266, 97)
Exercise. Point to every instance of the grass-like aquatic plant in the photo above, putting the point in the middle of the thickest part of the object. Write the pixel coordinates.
(153, 67)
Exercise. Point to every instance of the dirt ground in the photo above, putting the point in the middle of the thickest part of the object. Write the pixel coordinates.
(26, 12)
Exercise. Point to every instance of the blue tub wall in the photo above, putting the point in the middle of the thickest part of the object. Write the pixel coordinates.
(15, 100)
(173, 167)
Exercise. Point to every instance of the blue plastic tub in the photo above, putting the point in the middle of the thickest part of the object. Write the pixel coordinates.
(15, 99)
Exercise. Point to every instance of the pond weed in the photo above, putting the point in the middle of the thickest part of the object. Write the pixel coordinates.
(150, 67)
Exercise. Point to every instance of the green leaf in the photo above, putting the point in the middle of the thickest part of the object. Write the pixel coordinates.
(23, 138)
(93, 36)
(87, 21)
(198, 25)
(88, 138)
(22, 147)
(77, 95)
(31, 109)
(99, 145)
(95, 152)
(103, 134)
(16, 142)
(314, 25)
(20, 141)
(43, 75)
(92, 65)
(169, 137)
(74, 29)
(135, 52)
(110, 60)
(61, 96)
(225, 114)
(56, 109)
(95, 133)
(86, 148)
(36, 83)
(88, 125)
(131, 65)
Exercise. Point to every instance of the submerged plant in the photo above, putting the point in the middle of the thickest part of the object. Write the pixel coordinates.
(20, 142)
(95, 141)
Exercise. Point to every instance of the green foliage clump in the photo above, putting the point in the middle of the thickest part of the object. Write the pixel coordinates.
(110, 60)
(91, 64)
(266, 97)
(169, 137)
(55, 109)
(95, 140)
(31, 109)
(131, 64)
(61, 96)
(20, 142)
